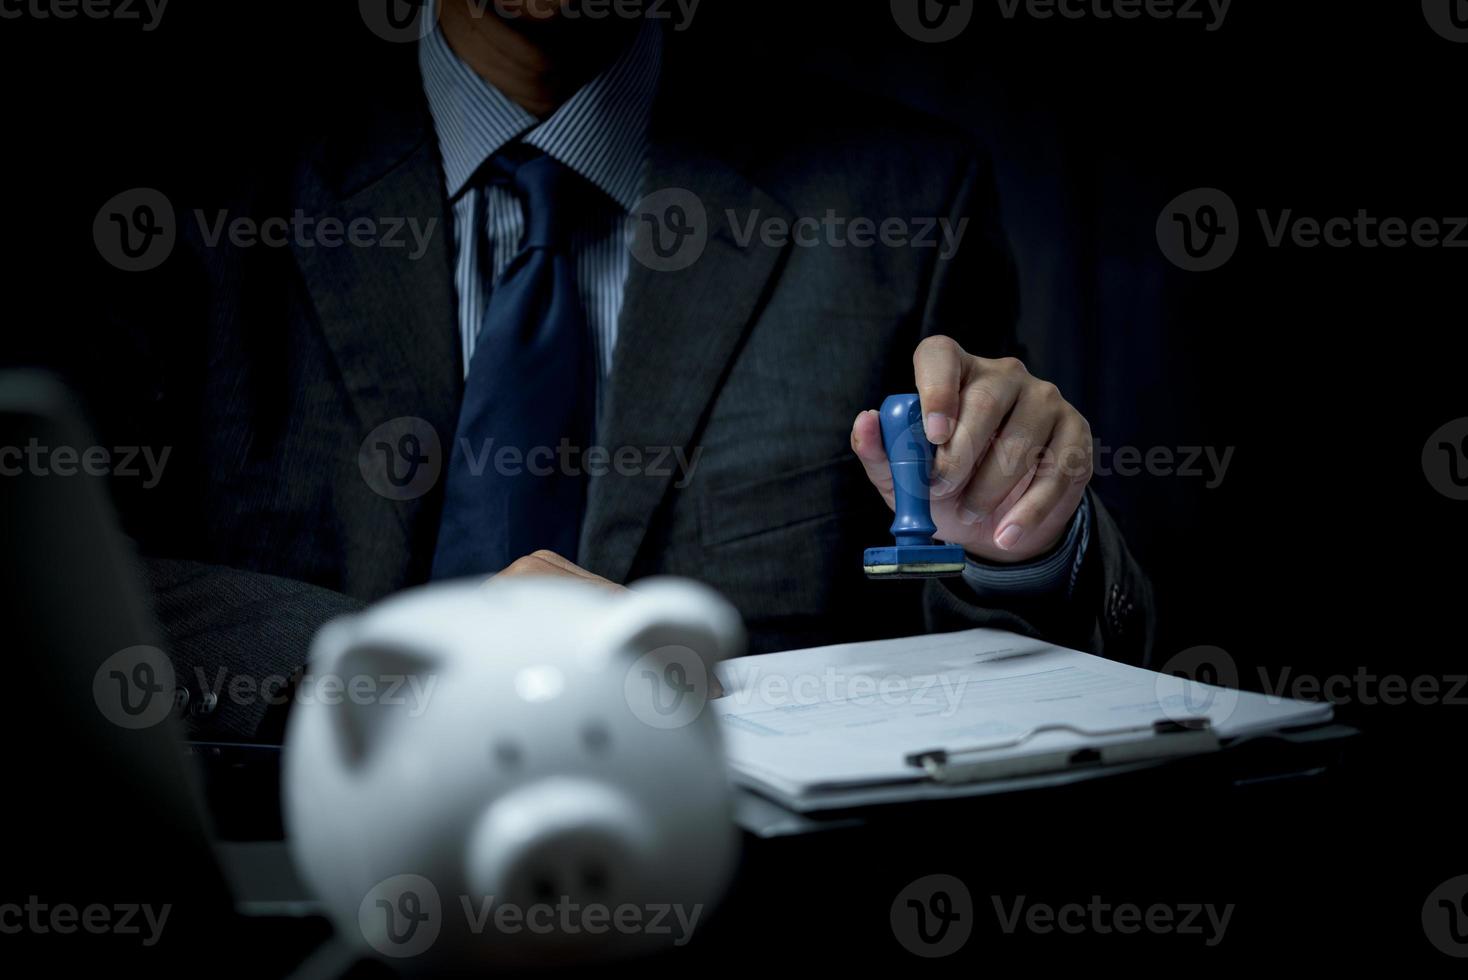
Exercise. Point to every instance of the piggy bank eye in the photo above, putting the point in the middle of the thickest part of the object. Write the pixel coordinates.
(596, 739)
(508, 754)
(594, 878)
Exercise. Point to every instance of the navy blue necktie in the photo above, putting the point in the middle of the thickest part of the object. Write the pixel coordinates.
(530, 392)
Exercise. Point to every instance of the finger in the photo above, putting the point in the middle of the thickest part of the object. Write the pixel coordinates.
(1064, 473)
(996, 518)
(545, 562)
(556, 562)
(529, 566)
(866, 442)
(1015, 450)
(937, 366)
(565, 566)
(989, 395)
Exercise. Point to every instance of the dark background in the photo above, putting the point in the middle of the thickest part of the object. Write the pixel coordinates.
(1324, 552)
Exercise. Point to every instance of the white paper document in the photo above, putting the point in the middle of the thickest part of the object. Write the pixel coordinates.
(835, 721)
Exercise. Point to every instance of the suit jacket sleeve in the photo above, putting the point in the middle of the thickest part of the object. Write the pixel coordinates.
(238, 641)
(974, 298)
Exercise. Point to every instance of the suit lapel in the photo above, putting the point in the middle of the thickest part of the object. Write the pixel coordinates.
(388, 313)
(677, 335)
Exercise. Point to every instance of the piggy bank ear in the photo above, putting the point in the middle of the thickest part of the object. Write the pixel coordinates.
(367, 688)
(675, 615)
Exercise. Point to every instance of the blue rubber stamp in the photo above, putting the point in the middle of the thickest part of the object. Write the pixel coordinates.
(910, 454)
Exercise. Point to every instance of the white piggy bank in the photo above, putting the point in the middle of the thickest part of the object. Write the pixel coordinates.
(519, 772)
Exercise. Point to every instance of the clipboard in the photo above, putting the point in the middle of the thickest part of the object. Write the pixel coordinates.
(935, 716)
(1163, 739)
(1289, 757)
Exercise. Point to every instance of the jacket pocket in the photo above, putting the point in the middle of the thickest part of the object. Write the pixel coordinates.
(812, 493)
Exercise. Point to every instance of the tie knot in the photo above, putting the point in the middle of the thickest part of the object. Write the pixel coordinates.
(548, 190)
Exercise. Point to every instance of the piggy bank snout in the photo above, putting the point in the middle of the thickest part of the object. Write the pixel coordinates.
(574, 840)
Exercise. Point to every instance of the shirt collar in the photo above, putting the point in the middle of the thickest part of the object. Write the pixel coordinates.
(600, 132)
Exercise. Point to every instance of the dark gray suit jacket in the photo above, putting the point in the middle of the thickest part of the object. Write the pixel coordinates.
(263, 369)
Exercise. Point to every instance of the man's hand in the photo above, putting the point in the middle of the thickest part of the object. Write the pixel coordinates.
(1013, 456)
(550, 563)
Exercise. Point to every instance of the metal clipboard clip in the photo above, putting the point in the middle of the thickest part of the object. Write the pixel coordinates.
(1161, 739)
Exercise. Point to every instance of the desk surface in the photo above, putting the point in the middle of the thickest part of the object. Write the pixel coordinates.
(1213, 830)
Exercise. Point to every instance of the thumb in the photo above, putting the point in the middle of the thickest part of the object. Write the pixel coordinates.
(866, 442)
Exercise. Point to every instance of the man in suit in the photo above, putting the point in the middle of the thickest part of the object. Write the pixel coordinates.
(336, 412)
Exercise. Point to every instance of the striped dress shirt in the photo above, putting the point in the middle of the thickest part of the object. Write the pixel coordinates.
(601, 134)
